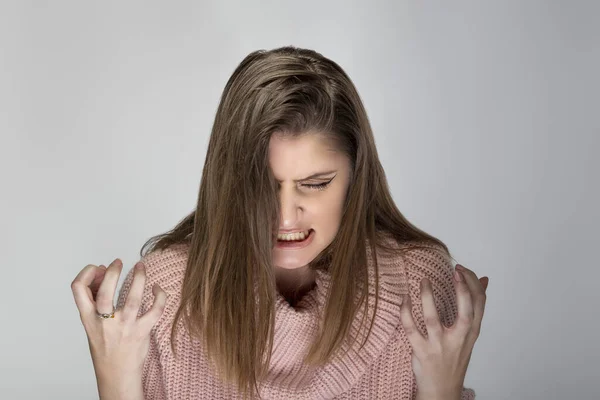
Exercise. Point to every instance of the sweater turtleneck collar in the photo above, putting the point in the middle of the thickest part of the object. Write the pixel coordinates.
(296, 327)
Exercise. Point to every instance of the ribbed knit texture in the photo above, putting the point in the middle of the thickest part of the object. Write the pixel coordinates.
(381, 370)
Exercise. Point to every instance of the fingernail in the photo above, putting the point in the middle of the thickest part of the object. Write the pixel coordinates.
(458, 276)
(139, 266)
(459, 266)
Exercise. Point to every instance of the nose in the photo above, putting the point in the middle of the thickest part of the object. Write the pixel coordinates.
(290, 208)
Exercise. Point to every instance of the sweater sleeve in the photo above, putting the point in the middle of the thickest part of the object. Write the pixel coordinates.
(152, 382)
(435, 265)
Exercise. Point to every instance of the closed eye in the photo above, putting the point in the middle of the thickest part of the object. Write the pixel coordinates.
(314, 186)
(319, 186)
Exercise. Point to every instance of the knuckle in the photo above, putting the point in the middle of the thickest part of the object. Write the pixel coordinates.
(132, 306)
(104, 303)
(433, 329)
(140, 335)
(465, 320)
(409, 330)
(435, 350)
(463, 288)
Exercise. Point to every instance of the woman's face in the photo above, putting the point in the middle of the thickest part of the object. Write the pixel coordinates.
(308, 203)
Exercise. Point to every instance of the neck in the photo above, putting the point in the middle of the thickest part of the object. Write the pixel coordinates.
(294, 283)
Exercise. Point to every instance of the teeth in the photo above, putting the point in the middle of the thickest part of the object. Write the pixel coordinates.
(293, 236)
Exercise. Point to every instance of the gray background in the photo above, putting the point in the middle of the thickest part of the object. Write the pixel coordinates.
(485, 116)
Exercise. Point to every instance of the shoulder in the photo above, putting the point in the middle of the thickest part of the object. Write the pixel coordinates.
(405, 264)
(415, 260)
(409, 262)
(163, 267)
(428, 260)
(434, 263)
(166, 267)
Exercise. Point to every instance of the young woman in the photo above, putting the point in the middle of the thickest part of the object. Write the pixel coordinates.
(296, 276)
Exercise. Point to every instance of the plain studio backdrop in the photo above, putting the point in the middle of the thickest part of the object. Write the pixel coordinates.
(485, 115)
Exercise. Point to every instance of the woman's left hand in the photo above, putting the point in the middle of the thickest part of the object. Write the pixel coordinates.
(440, 360)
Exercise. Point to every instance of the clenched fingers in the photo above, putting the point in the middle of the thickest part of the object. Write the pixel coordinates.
(106, 291)
(97, 281)
(471, 300)
(134, 296)
(431, 316)
(81, 289)
(410, 327)
(148, 320)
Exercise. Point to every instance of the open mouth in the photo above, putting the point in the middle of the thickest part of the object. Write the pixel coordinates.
(296, 242)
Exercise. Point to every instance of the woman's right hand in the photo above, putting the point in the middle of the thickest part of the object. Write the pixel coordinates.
(118, 345)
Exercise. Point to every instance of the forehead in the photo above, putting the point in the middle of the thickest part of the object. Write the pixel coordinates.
(307, 144)
(294, 156)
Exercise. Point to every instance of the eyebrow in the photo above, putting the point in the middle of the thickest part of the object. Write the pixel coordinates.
(315, 175)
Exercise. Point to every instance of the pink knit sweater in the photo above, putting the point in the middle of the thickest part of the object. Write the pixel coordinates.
(381, 370)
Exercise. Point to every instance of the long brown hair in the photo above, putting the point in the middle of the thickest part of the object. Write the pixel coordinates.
(229, 291)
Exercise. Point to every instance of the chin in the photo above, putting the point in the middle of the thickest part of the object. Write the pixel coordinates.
(290, 267)
(287, 261)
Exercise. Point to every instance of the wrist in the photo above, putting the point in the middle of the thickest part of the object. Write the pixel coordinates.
(439, 396)
(119, 387)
